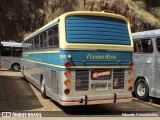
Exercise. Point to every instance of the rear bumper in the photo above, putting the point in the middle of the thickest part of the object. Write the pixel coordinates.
(97, 99)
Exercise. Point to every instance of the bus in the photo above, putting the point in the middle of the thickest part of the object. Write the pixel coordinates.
(10, 53)
(146, 58)
(81, 58)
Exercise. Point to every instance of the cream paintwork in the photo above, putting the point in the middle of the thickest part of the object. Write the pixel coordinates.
(62, 32)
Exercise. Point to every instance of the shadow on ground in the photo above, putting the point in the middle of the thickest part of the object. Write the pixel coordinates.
(109, 109)
(17, 95)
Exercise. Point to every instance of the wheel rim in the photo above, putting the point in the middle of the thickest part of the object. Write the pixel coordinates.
(16, 67)
(141, 90)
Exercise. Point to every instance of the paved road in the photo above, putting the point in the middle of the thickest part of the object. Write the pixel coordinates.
(16, 94)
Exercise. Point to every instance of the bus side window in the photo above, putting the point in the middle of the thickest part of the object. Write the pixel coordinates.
(28, 44)
(50, 35)
(16, 52)
(158, 44)
(45, 40)
(147, 46)
(41, 41)
(6, 51)
(56, 36)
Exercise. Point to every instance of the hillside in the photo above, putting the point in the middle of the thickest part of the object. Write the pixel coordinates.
(20, 17)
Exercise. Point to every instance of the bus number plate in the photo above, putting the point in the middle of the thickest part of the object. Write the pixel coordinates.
(101, 86)
(102, 74)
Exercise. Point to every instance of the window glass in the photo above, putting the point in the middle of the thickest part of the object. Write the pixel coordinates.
(56, 38)
(24, 46)
(36, 45)
(30, 45)
(16, 52)
(41, 41)
(6, 51)
(158, 44)
(143, 46)
(147, 46)
(45, 39)
(50, 40)
(50, 32)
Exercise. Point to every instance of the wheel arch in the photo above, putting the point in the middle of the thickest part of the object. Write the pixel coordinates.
(142, 77)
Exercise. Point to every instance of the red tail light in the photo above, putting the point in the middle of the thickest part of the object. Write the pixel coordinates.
(68, 64)
(130, 88)
(131, 64)
(67, 91)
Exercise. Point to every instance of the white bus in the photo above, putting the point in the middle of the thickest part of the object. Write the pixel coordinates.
(10, 54)
(146, 58)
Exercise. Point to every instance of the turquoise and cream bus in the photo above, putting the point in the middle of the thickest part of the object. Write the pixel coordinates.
(81, 58)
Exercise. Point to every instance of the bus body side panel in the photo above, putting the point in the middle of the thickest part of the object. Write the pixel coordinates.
(39, 64)
(144, 68)
(155, 90)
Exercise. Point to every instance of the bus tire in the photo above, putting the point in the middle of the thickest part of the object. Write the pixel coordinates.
(142, 90)
(43, 88)
(15, 67)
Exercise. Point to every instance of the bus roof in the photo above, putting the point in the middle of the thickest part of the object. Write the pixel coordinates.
(56, 20)
(146, 34)
(11, 44)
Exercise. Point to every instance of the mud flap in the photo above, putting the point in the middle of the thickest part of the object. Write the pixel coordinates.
(86, 99)
(115, 97)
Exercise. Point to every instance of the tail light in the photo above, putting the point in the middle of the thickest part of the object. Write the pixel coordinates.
(66, 91)
(131, 72)
(131, 64)
(130, 80)
(67, 73)
(130, 88)
(67, 82)
(68, 64)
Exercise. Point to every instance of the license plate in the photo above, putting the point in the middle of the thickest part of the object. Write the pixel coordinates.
(101, 74)
(101, 86)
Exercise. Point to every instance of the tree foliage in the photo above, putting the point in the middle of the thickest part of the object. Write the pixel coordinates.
(152, 3)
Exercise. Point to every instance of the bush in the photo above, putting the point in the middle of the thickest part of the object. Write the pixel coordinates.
(141, 4)
(157, 12)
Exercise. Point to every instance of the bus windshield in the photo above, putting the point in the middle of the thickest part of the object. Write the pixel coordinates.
(97, 30)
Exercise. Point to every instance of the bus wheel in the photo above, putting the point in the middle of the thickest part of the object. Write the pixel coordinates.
(15, 67)
(142, 90)
(42, 88)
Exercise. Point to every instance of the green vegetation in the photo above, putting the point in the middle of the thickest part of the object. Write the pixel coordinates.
(153, 6)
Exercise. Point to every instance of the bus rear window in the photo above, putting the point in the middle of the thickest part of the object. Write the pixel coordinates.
(97, 30)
